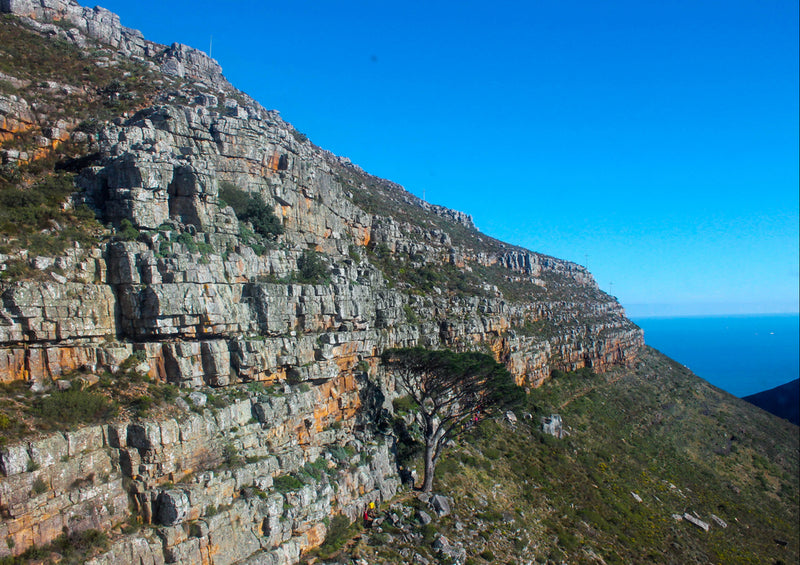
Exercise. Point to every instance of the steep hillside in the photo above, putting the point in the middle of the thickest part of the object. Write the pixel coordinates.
(641, 449)
(195, 299)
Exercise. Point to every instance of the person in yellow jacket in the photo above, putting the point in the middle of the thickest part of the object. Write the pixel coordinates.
(369, 515)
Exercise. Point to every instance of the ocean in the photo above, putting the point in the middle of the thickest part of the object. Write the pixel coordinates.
(739, 354)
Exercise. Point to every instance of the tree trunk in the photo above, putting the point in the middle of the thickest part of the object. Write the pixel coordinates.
(430, 464)
(431, 451)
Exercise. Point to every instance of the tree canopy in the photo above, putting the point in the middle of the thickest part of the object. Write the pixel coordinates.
(451, 389)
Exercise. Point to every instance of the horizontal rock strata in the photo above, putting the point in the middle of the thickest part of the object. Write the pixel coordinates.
(201, 300)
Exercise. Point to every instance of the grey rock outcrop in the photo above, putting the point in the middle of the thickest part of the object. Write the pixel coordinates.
(223, 501)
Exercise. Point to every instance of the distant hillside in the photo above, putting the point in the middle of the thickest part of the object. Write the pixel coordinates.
(783, 401)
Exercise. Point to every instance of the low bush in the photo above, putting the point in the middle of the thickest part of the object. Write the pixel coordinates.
(251, 208)
(141, 406)
(404, 405)
(342, 452)
(339, 532)
(231, 458)
(127, 231)
(73, 406)
(311, 268)
(39, 486)
(187, 240)
(287, 483)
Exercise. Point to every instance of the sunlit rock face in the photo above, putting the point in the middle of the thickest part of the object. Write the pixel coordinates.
(203, 302)
(191, 276)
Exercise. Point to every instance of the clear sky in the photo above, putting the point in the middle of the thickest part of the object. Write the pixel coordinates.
(655, 142)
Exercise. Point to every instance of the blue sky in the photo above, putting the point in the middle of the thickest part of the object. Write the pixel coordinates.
(656, 142)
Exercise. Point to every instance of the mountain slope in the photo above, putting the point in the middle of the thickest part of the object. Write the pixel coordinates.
(783, 401)
(644, 447)
(195, 299)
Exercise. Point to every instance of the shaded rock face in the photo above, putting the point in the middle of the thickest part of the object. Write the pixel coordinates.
(206, 303)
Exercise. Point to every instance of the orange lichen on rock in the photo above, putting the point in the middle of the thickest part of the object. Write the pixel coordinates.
(346, 355)
(273, 162)
(45, 362)
(12, 365)
(338, 400)
(361, 235)
(314, 537)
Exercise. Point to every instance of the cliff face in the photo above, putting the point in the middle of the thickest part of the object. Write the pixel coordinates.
(203, 301)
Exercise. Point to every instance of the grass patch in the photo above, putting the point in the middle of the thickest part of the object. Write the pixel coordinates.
(339, 533)
(33, 218)
(73, 549)
(286, 483)
(71, 407)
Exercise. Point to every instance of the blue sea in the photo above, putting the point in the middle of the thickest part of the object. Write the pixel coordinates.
(739, 354)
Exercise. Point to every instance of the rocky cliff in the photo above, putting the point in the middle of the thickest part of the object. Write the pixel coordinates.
(199, 296)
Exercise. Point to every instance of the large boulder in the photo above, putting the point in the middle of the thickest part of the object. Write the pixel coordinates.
(172, 507)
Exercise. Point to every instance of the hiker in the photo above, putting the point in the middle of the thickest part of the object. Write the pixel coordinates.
(369, 515)
(406, 478)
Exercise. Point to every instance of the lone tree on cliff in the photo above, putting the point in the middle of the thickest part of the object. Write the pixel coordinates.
(450, 389)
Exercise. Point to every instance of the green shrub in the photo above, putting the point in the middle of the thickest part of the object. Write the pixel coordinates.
(216, 400)
(73, 406)
(299, 136)
(490, 516)
(446, 466)
(141, 406)
(429, 532)
(39, 486)
(404, 405)
(487, 554)
(163, 392)
(127, 231)
(205, 248)
(251, 208)
(342, 452)
(231, 457)
(411, 316)
(338, 534)
(134, 359)
(187, 240)
(287, 483)
(567, 540)
(315, 470)
(311, 268)
(352, 251)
